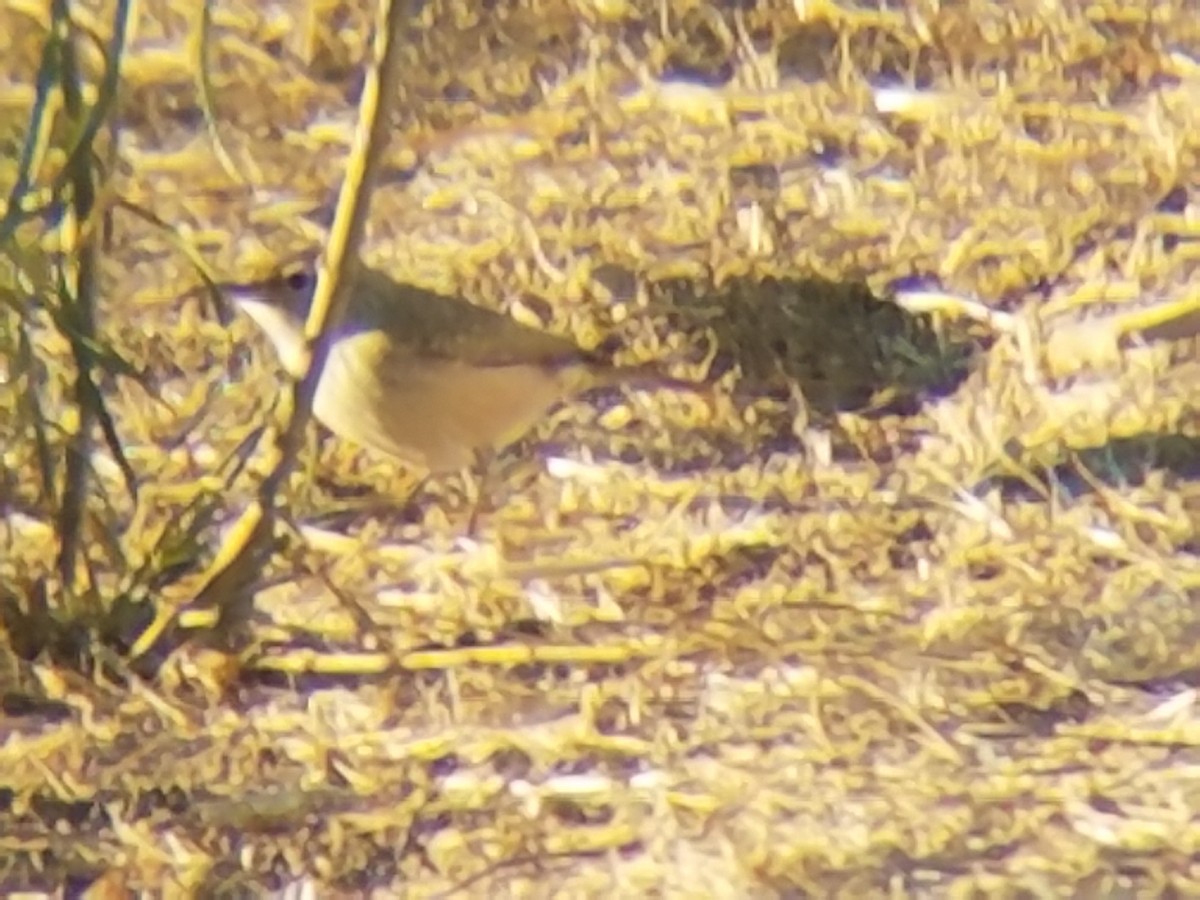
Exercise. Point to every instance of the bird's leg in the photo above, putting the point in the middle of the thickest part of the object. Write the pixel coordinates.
(410, 507)
(484, 466)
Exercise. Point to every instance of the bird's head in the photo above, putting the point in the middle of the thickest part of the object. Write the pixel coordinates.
(278, 301)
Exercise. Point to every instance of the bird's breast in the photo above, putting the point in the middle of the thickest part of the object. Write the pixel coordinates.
(432, 412)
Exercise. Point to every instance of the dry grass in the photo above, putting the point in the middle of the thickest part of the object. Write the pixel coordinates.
(913, 610)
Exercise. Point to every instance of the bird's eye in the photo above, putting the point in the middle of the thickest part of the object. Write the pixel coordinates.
(299, 280)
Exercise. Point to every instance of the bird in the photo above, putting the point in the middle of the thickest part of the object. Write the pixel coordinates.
(437, 382)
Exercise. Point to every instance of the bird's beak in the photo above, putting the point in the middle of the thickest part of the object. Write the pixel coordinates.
(253, 300)
(244, 292)
(286, 334)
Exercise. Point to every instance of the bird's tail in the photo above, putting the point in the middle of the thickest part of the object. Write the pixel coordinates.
(648, 377)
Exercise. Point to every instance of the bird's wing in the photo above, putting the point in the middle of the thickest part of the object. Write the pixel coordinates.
(457, 329)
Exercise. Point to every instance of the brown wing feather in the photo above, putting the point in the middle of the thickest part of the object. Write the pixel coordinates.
(455, 328)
